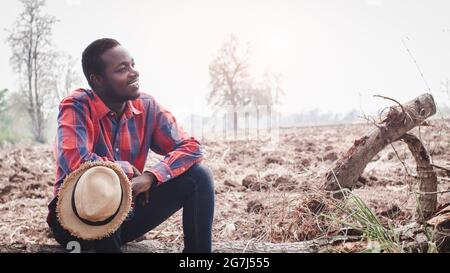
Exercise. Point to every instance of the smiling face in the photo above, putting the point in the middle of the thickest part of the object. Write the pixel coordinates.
(119, 80)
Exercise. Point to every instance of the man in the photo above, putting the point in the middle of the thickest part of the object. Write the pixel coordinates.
(116, 122)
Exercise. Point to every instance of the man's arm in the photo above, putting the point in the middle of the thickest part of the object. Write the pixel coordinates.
(75, 138)
(181, 151)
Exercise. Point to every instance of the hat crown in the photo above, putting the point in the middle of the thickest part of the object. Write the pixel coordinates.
(92, 204)
(97, 194)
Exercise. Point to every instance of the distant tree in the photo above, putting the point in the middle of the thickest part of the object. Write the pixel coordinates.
(445, 86)
(66, 76)
(312, 116)
(269, 94)
(3, 102)
(229, 77)
(33, 59)
(5, 120)
(261, 97)
(351, 116)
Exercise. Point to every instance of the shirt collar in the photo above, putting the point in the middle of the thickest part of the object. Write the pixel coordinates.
(103, 110)
(130, 110)
(133, 108)
(99, 106)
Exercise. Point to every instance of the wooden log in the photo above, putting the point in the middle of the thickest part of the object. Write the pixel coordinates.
(427, 178)
(412, 237)
(415, 239)
(154, 246)
(398, 121)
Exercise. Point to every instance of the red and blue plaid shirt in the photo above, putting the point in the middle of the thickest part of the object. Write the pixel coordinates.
(89, 131)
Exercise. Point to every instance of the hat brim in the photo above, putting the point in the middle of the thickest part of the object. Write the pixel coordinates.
(70, 222)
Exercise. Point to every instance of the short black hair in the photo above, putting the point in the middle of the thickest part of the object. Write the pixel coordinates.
(91, 58)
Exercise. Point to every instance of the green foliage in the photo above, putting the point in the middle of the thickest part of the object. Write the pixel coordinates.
(5, 120)
(353, 212)
(357, 215)
(14, 121)
(3, 101)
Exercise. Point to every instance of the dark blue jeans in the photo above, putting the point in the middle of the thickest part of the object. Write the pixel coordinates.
(193, 191)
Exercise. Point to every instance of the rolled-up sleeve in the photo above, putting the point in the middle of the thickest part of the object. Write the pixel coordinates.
(168, 138)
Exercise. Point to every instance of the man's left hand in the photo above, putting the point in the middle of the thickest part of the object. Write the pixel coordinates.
(141, 187)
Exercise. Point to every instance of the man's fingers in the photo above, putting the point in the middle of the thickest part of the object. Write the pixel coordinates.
(134, 189)
(144, 197)
(133, 193)
(136, 171)
(147, 196)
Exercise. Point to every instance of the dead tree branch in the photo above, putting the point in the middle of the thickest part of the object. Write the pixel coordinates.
(349, 168)
(427, 177)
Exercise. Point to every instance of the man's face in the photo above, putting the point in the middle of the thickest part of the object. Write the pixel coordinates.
(120, 79)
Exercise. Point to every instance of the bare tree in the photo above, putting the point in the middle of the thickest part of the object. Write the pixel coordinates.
(267, 93)
(229, 77)
(66, 76)
(33, 59)
(261, 96)
(4, 118)
(3, 101)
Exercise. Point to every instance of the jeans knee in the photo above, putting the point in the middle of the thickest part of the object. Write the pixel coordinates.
(203, 175)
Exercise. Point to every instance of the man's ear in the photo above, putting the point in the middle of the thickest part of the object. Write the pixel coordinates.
(96, 80)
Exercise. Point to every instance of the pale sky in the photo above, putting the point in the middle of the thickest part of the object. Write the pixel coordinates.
(331, 54)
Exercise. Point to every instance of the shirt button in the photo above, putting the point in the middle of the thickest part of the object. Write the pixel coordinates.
(168, 176)
(117, 149)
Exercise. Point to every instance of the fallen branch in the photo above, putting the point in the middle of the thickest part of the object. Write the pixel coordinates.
(387, 98)
(412, 235)
(427, 176)
(349, 168)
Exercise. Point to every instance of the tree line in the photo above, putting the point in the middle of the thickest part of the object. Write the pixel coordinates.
(45, 74)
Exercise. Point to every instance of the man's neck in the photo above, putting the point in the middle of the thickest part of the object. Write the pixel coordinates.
(116, 107)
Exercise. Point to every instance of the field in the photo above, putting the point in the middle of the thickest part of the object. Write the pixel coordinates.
(265, 192)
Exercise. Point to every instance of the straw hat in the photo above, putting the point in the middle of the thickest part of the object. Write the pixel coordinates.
(94, 200)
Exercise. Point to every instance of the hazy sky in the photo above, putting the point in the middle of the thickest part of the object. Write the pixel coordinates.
(331, 54)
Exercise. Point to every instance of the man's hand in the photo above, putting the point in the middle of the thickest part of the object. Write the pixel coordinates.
(141, 187)
(135, 171)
